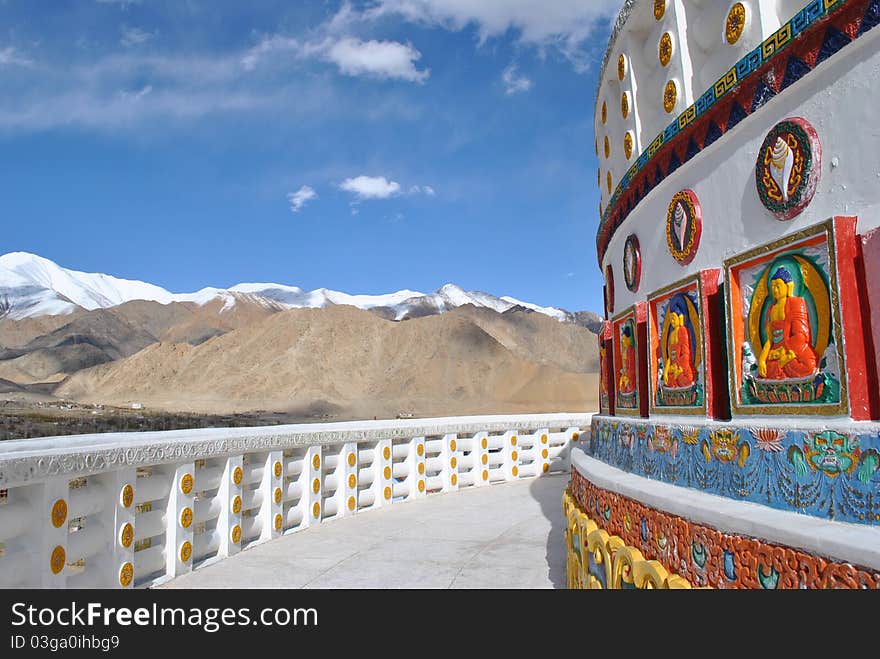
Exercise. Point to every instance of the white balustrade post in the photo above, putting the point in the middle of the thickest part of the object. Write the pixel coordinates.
(382, 483)
(118, 518)
(179, 521)
(416, 468)
(511, 455)
(273, 496)
(347, 473)
(311, 482)
(542, 451)
(480, 456)
(449, 460)
(53, 533)
(229, 492)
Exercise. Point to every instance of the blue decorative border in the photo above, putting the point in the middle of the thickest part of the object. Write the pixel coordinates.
(772, 471)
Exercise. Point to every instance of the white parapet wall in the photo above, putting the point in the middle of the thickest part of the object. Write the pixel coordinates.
(128, 510)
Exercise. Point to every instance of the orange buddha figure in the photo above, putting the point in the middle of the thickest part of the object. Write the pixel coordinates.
(627, 380)
(678, 371)
(788, 350)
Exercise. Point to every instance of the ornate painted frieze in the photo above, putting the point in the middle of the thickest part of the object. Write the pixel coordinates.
(818, 31)
(788, 168)
(832, 474)
(692, 553)
(787, 325)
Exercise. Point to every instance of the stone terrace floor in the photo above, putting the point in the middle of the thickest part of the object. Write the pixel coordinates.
(503, 536)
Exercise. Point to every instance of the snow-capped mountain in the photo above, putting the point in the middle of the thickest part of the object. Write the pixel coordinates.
(31, 286)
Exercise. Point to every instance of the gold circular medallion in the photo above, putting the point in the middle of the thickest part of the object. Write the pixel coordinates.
(186, 483)
(624, 104)
(453, 462)
(575, 436)
(453, 446)
(546, 467)
(421, 468)
(621, 67)
(454, 479)
(387, 492)
(485, 459)
(316, 462)
(608, 181)
(420, 449)
(186, 517)
(543, 439)
(628, 145)
(352, 503)
(515, 470)
(604, 112)
(386, 473)
(186, 551)
(607, 147)
(513, 441)
(237, 475)
(277, 495)
(670, 96)
(236, 534)
(352, 459)
(57, 559)
(421, 486)
(386, 453)
(126, 497)
(665, 49)
(545, 453)
(736, 23)
(659, 9)
(126, 535)
(277, 469)
(514, 456)
(316, 510)
(352, 481)
(485, 474)
(126, 575)
(236, 505)
(59, 513)
(316, 485)
(485, 443)
(279, 520)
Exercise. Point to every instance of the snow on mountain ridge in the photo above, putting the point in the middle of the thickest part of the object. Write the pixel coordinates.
(31, 285)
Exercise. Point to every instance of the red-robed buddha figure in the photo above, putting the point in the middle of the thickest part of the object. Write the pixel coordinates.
(788, 351)
(627, 381)
(679, 368)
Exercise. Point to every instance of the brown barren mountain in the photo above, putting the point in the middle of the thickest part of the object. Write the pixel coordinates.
(342, 362)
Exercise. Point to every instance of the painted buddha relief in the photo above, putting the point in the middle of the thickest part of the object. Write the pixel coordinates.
(677, 363)
(626, 364)
(788, 353)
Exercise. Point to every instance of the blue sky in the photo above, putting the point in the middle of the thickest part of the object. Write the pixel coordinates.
(364, 147)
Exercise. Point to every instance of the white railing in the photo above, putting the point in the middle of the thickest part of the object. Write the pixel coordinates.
(129, 510)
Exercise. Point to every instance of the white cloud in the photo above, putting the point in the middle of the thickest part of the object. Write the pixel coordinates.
(269, 45)
(371, 187)
(134, 36)
(513, 83)
(379, 59)
(564, 24)
(428, 190)
(9, 56)
(300, 198)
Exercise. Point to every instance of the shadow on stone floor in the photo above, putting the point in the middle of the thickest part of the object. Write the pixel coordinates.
(547, 491)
